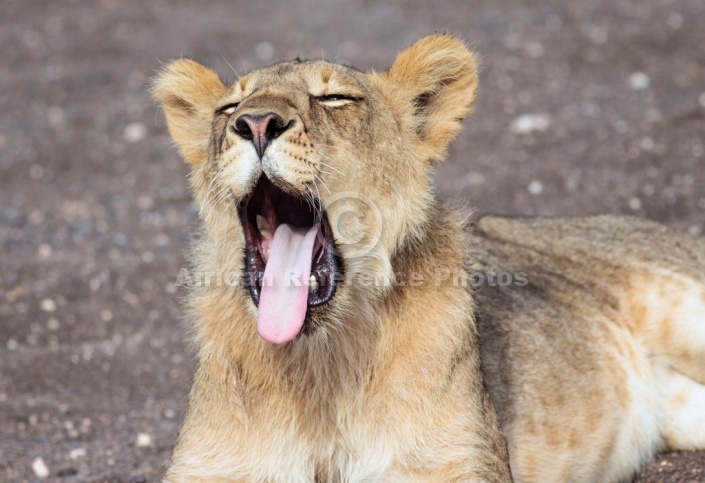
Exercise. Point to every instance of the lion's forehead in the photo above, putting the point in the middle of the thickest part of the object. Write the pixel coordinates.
(313, 77)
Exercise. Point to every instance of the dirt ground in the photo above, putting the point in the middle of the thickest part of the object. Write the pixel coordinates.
(584, 107)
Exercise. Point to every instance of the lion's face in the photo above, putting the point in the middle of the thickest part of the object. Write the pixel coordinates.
(319, 171)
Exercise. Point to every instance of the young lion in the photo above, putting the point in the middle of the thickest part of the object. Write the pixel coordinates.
(345, 347)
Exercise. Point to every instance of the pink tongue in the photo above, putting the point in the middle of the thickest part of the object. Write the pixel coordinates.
(284, 296)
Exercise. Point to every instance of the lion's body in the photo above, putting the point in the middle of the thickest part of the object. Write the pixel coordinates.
(585, 362)
(402, 400)
(599, 361)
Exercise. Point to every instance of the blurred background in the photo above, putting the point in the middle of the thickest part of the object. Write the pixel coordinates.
(584, 107)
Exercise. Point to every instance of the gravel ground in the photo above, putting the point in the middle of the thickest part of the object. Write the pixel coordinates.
(584, 107)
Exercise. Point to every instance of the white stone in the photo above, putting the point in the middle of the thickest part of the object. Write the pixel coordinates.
(143, 440)
(40, 468)
(77, 453)
(639, 81)
(535, 187)
(134, 132)
(48, 305)
(528, 123)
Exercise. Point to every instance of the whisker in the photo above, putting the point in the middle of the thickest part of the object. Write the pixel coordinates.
(329, 166)
(322, 182)
(314, 206)
(316, 186)
(308, 196)
(229, 65)
(211, 187)
(220, 197)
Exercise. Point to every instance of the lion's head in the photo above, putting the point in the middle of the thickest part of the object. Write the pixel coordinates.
(312, 175)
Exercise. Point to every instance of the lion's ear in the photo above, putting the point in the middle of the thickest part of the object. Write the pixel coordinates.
(188, 92)
(436, 80)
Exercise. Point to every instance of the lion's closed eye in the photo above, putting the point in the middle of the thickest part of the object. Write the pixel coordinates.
(228, 109)
(336, 100)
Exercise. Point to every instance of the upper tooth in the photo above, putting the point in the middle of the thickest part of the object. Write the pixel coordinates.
(264, 227)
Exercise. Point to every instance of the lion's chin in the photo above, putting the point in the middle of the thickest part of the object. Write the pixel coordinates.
(291, 259)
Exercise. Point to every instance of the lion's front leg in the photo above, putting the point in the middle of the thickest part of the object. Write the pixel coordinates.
(229, 434)
(448, 433)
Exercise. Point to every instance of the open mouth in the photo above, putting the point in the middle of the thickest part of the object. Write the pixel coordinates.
(290, 258)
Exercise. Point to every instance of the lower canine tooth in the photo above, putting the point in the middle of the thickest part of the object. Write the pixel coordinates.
(312, 284)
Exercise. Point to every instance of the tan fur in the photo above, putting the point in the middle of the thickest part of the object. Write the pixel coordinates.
(593, 364)
(599, 361)
(388, 386)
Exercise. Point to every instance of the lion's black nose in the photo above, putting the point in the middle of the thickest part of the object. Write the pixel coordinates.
(260, 129)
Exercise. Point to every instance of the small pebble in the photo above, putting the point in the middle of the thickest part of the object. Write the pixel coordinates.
(701, 99)
(40, 468)
(53, 324)
(535, 187)
(77, 453)
(635, 203)
(528, 123)
(534, 50)
(44, 251)
(639, 81)
(134, 132)
(48, 305)
(144, 440)
(647, 143)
